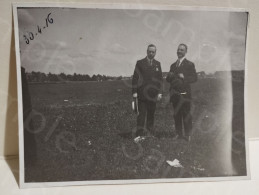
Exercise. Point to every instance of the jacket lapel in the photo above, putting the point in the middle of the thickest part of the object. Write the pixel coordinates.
(183, 62)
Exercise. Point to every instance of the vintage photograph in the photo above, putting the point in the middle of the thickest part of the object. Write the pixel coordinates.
(130, 94)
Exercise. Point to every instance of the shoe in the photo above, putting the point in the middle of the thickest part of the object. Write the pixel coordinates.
(139, 139)
(177, 137)
(188, 138)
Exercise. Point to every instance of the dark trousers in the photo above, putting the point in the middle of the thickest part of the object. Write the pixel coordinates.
(146, 116)
(182, 114)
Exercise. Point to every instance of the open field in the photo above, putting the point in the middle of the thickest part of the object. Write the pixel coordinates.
(83, 131)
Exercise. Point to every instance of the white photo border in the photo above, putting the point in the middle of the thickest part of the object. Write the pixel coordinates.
(141, 6)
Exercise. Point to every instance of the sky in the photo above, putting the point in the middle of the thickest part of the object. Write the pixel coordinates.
(110, 41)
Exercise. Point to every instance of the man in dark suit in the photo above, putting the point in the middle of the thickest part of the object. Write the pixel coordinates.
(147, 88)
(182, 74)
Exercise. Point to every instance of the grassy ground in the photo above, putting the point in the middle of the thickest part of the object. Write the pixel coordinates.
(83, 131)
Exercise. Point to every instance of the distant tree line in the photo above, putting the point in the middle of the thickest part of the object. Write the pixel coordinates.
(62, 77)
(41, 77)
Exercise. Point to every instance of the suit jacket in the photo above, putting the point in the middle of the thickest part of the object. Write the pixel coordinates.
(179, 85)
(147, 80)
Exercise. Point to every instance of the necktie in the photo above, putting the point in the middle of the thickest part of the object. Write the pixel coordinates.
(178, 63)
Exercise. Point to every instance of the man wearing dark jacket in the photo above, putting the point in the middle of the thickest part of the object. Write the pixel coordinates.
(182, 74)
(147, 89)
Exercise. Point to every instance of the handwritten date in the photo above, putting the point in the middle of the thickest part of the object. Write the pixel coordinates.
(30, 35)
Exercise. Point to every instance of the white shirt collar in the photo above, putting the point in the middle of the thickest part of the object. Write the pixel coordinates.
(150, 59)
(181, 60)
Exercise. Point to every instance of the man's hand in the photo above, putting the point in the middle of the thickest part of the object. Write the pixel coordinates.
(170, 74)
(159, 97)
(135, 95)
(181, 75)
